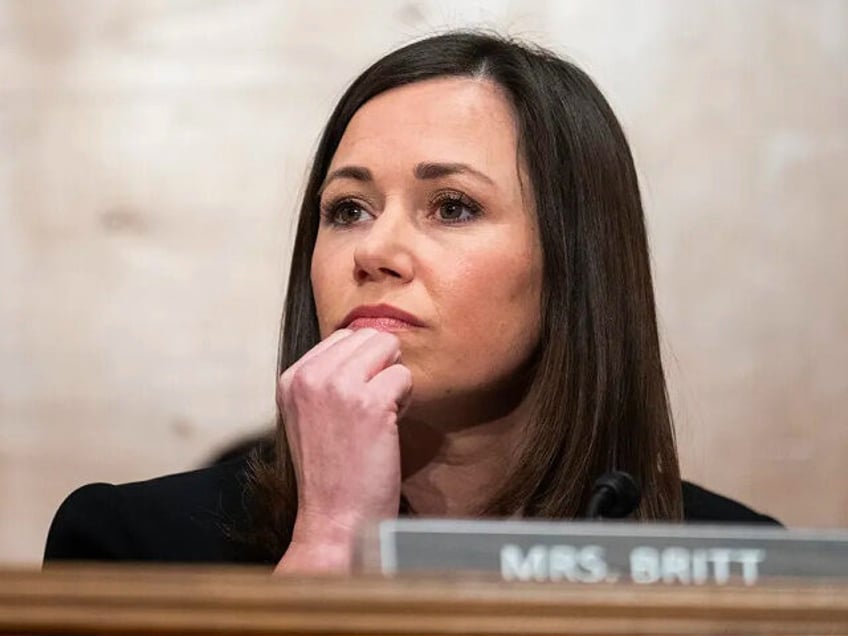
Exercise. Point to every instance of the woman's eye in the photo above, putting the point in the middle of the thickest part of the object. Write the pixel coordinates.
(450, 209)
(344, 213)
(456, 209)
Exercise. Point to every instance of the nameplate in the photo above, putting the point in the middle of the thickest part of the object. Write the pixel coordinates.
(609, 552)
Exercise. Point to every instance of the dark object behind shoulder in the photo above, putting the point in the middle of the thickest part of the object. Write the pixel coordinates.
(198, 517)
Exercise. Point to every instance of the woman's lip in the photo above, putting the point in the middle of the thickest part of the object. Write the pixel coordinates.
(380, 324)
(383, 314)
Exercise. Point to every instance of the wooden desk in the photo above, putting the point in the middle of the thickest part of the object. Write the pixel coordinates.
(145, 600)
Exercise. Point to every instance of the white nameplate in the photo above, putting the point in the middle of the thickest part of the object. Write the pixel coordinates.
(609, 552)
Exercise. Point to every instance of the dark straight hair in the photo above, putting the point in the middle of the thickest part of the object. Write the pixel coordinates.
(598, 394)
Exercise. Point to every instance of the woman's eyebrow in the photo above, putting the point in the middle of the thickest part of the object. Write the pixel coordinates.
(431, 170)
(357, 173)
(424, 170)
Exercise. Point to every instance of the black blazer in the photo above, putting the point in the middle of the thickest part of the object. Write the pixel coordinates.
(193, 517)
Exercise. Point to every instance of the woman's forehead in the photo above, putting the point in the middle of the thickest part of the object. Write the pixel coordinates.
(457, 120)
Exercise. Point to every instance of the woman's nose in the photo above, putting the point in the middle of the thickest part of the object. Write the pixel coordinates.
(383, 251)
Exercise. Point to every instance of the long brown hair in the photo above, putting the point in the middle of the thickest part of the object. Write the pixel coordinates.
(599, 397)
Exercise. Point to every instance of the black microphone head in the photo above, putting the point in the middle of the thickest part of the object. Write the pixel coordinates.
(617, 493)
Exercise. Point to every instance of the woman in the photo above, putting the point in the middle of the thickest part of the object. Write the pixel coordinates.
(469, 328)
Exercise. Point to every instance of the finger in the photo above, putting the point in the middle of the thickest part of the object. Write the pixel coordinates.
(394, 381)
(370, 357)
(325, 344)
(335, 356)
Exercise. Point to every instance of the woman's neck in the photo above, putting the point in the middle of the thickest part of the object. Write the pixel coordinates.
(450, 470)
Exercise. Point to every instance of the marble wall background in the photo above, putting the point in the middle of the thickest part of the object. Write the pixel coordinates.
(151, 154)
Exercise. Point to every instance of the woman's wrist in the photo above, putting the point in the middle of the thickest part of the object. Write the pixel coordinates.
(316, 558)
(320, 543)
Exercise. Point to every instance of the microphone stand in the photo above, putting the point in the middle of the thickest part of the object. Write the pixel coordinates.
(615, 495)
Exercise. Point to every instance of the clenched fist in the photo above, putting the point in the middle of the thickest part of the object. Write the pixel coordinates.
(341, 403)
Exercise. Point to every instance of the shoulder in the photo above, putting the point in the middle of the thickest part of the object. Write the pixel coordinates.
(703, 506)
(188, 517)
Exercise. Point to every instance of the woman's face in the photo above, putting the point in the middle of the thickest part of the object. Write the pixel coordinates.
(423, 210)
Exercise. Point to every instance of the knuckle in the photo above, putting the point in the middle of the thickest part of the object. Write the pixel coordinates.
(361, 406)
(401, 374)
(389, 339)
(304, 380)
(284, 381)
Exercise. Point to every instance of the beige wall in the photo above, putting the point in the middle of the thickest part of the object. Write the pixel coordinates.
(151, 157)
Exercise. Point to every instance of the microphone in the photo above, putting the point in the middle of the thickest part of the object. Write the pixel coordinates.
(615, 495)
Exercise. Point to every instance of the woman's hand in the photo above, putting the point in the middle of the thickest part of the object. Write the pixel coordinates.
(341, 403)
